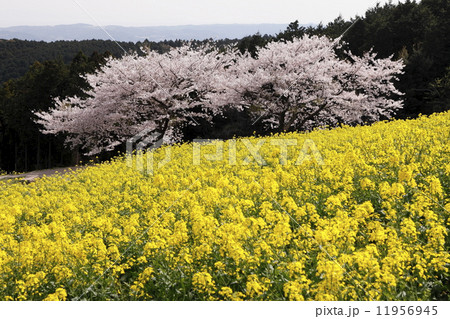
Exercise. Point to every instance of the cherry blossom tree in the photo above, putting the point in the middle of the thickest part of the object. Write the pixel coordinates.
(303, 83)
(158, 93)
(290, 85)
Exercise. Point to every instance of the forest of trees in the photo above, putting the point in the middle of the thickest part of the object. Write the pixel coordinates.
(16, 56)
(34, 73)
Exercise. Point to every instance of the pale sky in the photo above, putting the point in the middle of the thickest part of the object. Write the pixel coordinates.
(176, 12)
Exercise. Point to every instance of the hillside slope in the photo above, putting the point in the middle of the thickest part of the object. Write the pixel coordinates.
(349, 214)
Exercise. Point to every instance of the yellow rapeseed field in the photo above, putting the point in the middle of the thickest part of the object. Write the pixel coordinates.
(346, 214)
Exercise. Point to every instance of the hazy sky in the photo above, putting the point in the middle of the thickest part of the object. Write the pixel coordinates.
(176, 12)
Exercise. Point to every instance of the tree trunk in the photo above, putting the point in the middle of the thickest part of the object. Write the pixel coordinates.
(50, 153)
(75, 156)
(15, 153)
(38, 153)
(26, 158)
(61, 159)
(282, 122)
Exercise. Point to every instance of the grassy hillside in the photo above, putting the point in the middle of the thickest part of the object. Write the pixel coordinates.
(363, 215)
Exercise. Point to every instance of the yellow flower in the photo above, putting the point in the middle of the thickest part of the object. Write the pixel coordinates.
(226, 293)
(293, 291)
(203, 282)
(59, 295)
(374, 215)
(366, 183)
(255, 286)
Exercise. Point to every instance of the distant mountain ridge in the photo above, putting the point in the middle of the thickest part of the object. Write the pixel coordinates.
(133, 34)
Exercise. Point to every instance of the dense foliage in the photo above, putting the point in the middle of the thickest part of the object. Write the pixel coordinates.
(23, 146)
(366, 219)
(16, 56)
(417, 32)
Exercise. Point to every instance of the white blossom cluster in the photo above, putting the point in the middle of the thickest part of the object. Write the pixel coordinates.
(291, 85)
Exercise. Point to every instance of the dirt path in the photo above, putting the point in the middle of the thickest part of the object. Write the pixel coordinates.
(31, 176)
